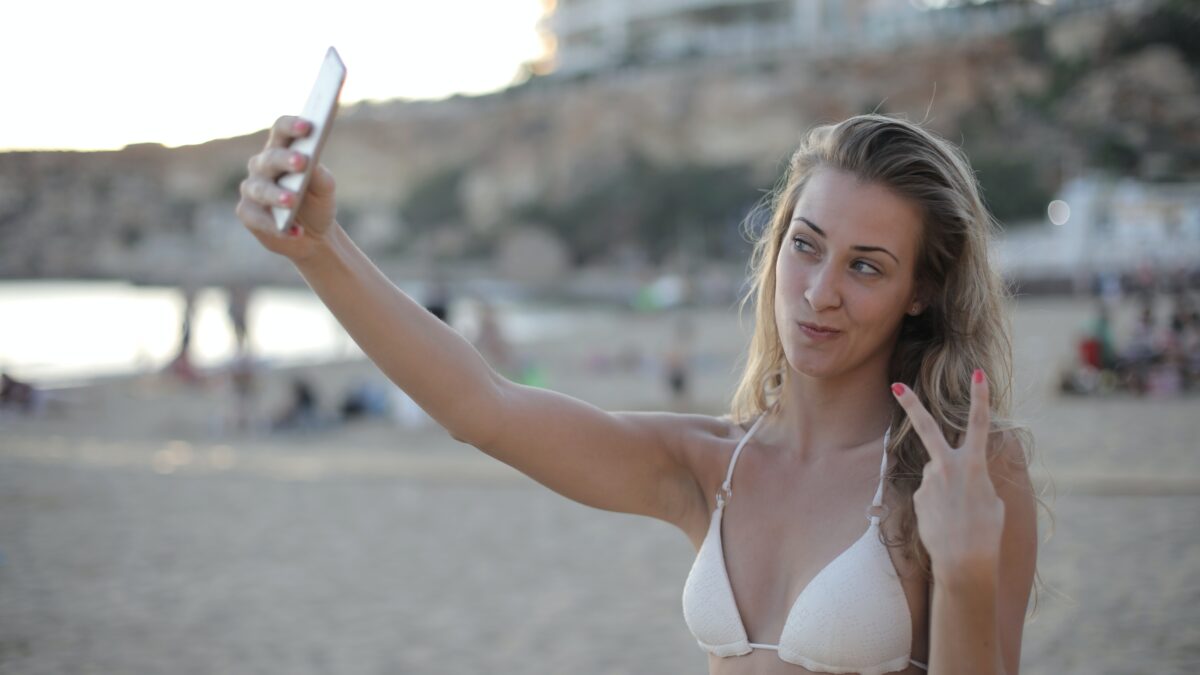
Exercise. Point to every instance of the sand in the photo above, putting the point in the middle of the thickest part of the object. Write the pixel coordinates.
(141, 533)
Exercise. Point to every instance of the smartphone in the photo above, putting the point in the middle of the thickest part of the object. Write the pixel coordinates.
(320, 111)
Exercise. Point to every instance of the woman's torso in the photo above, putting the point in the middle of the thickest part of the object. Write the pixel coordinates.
(785, 522)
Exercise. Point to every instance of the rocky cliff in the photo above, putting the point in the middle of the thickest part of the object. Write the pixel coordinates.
(452, 177)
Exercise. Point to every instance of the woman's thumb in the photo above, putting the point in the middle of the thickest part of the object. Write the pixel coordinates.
(321, 184)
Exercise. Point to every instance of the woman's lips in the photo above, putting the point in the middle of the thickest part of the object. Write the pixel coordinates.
(815, 333)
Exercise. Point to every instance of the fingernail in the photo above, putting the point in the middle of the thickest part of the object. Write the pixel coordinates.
(898, 389)
(300, 126)
(978, 375)
(296, 161)
(285, 199)
(294, 231)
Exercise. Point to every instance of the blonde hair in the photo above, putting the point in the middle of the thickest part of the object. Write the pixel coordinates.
(964, 324)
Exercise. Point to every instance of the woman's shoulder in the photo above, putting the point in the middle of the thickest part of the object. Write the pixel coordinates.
(704, 444)
(707, 442)
(1010, 447)
(1009, 458)
(718, 428)
(692, 438)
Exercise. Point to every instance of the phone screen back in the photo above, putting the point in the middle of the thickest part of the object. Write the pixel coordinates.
(319, 110)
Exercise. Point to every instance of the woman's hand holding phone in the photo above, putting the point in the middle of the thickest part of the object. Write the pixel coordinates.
(260, 192)
(288, 198)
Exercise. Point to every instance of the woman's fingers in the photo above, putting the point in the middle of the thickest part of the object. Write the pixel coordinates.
(267, 192)
(260, 192)
(286, 129)
(255, 216)
(274, 162)
(980, 421)
(923, 423)
(258, 196)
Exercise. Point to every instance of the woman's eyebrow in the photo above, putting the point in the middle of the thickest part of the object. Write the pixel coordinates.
(858, 247)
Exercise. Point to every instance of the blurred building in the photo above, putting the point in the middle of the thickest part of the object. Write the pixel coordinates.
(595, 35)
(1108, 226)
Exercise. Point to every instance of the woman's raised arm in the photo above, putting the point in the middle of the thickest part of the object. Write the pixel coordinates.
(629, 462)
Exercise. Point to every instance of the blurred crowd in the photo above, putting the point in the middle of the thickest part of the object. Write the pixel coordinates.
(1158, 356)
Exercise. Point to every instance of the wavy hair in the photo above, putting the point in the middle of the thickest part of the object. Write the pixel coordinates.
(964, 325)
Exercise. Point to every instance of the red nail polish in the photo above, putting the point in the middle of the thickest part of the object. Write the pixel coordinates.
(978, 376)
(300, 126)
(294, 231)
(285, 199)
(898, 389)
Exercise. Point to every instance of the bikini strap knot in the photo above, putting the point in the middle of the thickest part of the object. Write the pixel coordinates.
(724, 495)
(726, 491)
(878, 510)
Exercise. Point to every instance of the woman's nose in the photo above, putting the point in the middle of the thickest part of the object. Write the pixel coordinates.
(822, 292)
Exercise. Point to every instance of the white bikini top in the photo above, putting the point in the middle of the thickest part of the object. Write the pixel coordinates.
(851, 618)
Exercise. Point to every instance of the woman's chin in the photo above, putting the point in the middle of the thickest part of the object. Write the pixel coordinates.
(814, 368)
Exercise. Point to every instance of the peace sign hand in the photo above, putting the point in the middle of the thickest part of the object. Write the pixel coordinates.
(959, 516)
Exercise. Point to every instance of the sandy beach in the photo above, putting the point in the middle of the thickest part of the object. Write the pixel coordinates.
(141, 532)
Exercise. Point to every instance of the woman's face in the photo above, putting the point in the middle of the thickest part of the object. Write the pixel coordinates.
(846, 264)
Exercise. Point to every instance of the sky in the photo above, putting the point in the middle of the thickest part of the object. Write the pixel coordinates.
(100, 75)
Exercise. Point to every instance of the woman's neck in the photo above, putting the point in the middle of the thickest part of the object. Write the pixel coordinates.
(826, 415)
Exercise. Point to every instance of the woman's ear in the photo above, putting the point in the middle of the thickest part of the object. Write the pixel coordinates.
(916, 305)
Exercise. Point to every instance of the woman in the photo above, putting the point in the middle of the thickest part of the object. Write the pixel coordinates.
(877, 318)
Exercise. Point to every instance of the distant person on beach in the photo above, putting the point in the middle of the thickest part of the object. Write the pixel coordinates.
(18, 395)
(1096, 365)
(242, 370)
(876, 388)
(181, 366)
(239, 306)
(491, 341)
(1185, 339)
(677, 364)
(438, 299)
(301, 411)
(1143, 351)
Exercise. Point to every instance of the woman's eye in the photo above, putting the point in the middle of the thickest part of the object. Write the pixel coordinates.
(862, 266)
(865, 267)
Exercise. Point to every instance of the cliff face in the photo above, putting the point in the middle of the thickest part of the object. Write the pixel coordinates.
(151, 212)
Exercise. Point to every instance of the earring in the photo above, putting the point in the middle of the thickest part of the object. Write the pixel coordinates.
(915, 309)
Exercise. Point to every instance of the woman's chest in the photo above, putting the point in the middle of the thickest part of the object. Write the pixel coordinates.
(792, 541)
(783, 525)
